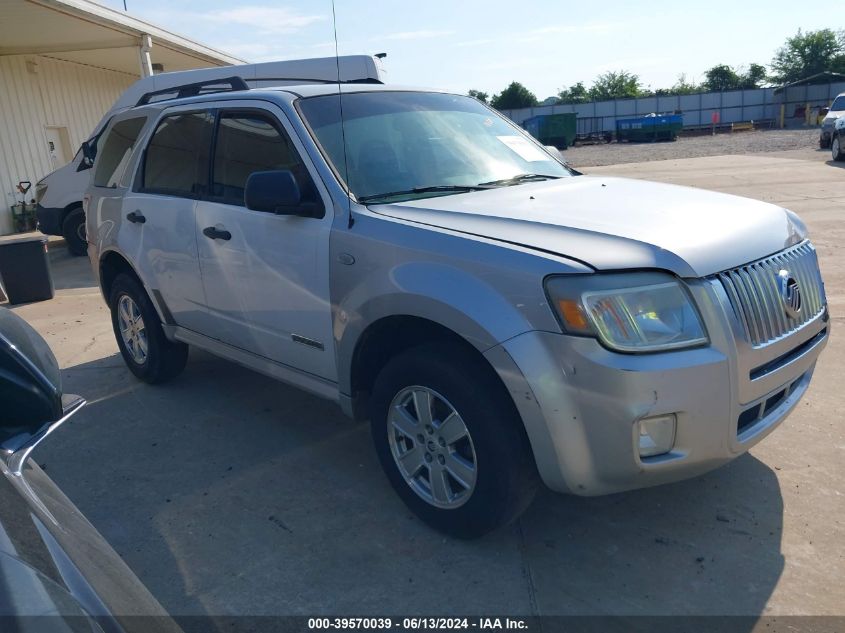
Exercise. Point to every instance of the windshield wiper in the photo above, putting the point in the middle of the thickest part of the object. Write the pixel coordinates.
(432, 189)
(515, 180)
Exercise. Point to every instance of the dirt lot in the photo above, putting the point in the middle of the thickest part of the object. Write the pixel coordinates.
(694, 147)
(228, 493)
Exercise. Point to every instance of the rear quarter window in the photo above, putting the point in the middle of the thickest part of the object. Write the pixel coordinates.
(114, 151)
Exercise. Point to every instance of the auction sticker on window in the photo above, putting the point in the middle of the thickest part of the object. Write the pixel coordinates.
(523, 147)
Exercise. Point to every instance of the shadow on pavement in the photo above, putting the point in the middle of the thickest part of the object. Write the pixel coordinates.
(706, 546)
(230, 493)
(70, 271)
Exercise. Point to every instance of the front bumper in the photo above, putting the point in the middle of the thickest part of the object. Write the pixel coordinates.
(49, 219)
(826, 134)
(581, 402)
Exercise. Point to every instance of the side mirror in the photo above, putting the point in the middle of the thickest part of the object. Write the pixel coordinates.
(30, 390)
(87, 157)
(278, 192)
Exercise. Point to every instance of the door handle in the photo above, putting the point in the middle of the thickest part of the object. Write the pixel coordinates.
(214, 233)
(136, 217)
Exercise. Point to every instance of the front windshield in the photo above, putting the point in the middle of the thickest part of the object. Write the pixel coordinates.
(407, 145)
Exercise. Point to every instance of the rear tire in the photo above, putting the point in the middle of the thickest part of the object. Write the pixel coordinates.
(837, 152)
(486, 476)
(140, 337)
(73, 230)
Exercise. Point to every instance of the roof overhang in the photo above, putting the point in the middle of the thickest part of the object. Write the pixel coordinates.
(88, 33)
(818, 78)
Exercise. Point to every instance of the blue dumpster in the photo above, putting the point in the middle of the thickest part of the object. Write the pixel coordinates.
(652, 127)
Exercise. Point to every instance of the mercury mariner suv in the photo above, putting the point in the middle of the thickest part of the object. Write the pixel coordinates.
(499, 318)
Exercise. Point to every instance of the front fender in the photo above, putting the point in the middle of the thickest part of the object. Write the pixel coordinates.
(462, 302)
(480, 289)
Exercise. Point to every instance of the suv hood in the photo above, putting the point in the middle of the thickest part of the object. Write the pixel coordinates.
(616, 223)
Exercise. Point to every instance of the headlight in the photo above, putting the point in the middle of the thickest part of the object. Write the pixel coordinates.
(40, 190)
(626, 314)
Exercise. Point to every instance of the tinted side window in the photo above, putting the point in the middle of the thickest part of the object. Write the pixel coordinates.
(116, 149)
(176, 160)
(248, 142)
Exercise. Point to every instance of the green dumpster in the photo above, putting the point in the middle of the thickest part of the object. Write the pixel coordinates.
(552, 129)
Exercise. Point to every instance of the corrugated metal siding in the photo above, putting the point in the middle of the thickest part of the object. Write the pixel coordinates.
(733, 106)
(61, 94)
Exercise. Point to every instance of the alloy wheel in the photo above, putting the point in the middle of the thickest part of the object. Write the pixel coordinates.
(132, 329)
(432, 447)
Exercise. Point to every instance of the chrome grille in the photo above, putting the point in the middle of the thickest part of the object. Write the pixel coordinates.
(756, 299)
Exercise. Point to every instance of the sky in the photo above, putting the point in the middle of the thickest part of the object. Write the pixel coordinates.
(458, 45)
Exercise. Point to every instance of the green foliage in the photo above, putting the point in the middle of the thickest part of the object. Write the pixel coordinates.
(802, 55)
(576, 93)
(481, 96)
(682, 86)
(615, 85)
(721, 77)
(514, 96)
(806, 54)
(724, 77)
(755, 76)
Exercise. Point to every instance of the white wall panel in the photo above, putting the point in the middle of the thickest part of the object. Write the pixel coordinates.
(46, 92)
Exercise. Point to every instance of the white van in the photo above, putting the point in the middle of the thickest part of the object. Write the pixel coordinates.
(59, 194)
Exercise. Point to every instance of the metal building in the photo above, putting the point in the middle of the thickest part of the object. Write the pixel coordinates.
(62, 65)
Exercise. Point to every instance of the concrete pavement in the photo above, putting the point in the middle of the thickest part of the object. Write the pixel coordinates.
(229, 493)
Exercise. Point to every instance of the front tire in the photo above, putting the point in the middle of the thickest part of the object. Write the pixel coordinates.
(451, 442)
(837, 152)
(73, 230)
(140, 337)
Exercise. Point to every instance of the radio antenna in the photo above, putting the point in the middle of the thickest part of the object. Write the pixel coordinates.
(351, 221)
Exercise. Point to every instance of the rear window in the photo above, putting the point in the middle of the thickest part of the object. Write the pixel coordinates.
(176, 160)
(116, 150)
(838, 103)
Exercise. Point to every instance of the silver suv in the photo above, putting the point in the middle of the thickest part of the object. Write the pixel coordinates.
(499, 318)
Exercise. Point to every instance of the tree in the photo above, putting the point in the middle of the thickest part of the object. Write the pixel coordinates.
(514, 96)
(721, 77)
(754, 77)
(481, 96)
(806, 54)
(615, 85)
(682, 86)
(576, 93)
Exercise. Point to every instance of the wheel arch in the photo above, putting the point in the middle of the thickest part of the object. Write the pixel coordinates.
(68, 208)
(112, 264)
(390, 335)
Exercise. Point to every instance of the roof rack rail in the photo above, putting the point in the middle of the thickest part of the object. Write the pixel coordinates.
(192, 90)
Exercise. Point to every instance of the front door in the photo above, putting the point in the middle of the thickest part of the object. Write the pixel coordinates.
(265, 275)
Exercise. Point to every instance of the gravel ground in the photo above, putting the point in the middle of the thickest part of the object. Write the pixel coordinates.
(693, 147)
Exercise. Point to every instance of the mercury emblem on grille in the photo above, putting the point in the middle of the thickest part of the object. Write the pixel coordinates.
(790, 293)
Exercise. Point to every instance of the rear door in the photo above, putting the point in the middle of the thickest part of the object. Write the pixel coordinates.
(159, 215)
(266, 280)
